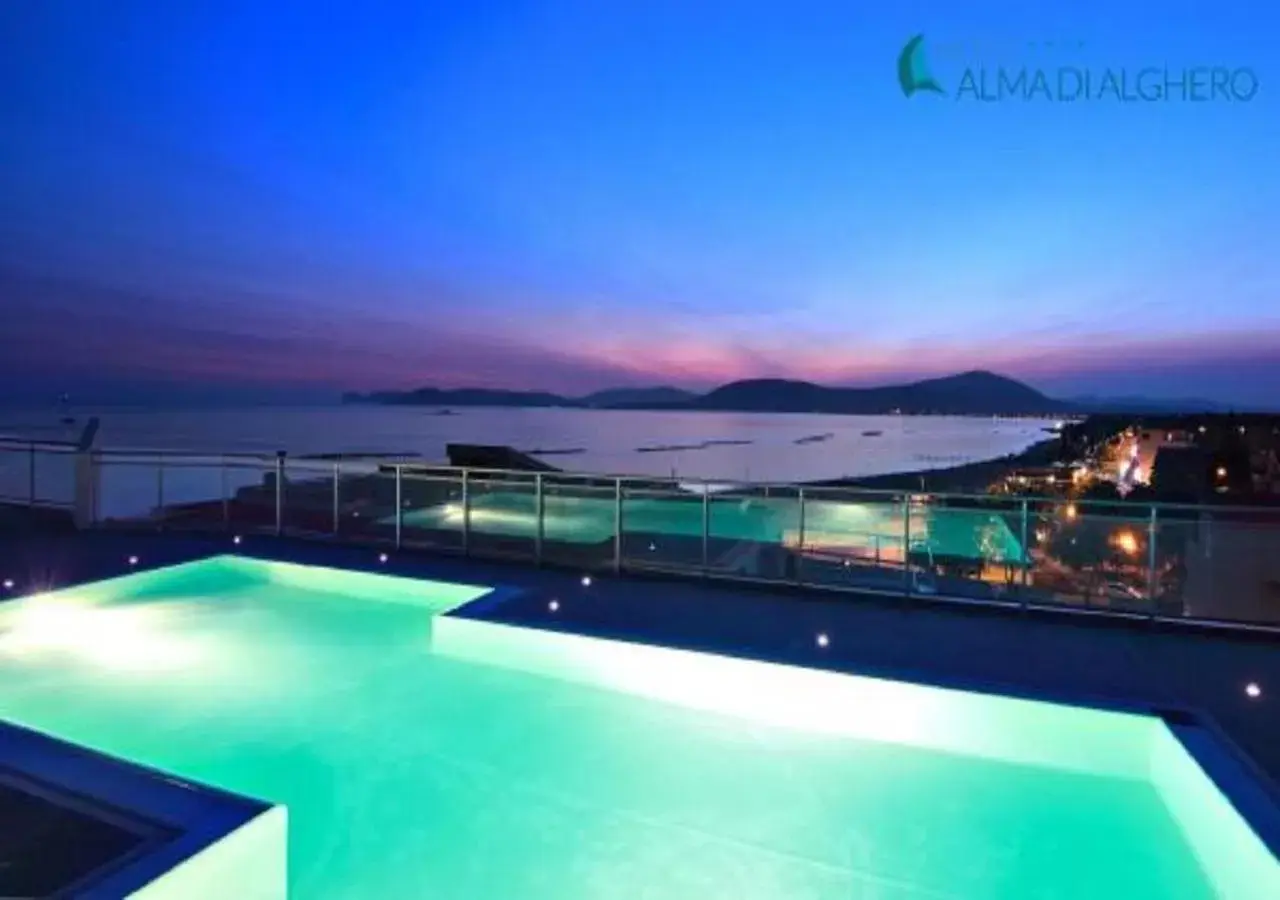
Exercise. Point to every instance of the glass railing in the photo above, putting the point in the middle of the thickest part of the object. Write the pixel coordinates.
(1219, 564)
(37, 473)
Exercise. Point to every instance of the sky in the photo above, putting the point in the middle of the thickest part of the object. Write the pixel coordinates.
(296, 198)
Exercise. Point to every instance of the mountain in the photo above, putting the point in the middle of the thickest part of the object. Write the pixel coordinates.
(971, 393)
(967, 394)
(461, 397)
(638, 397)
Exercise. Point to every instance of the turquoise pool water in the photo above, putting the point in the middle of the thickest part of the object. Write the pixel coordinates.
(429, 756)
(869, 527)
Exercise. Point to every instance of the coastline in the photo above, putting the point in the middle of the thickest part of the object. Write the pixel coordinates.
(968, 478)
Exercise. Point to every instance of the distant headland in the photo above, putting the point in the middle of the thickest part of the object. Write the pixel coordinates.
(969, 393)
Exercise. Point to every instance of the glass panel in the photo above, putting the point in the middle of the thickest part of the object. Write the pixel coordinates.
(854, 539)
(753, 532)
(128, 490)
(366, 501)
(251, 493)
(967, 546)
(502, 512)
(1180, 533)
(15, 477)
(54, 477)
(308, 497)
(1230, 564)
(194, 489)
(661, 526)
(1093, 556)
(578, 520)
(432, 502)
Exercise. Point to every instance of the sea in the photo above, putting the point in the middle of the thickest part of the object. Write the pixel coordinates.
(704, 445)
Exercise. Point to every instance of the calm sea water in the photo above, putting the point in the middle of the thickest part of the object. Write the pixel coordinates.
(760, 447)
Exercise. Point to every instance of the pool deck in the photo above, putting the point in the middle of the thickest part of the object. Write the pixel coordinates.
(1053, 656)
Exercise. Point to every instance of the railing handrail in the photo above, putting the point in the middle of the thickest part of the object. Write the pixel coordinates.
(814, 489)
(41, 446)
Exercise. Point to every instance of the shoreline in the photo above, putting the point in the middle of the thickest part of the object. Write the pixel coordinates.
(974, 477)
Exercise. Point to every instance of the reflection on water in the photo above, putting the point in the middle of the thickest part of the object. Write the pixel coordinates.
(755, 446)
(739, 446)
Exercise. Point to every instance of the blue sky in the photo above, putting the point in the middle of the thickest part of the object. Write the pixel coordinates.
(573, 195)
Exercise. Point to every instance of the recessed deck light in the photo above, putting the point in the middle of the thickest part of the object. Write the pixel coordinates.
(382, 557)
(554, 605)
(1253, 690)
(586, 581)
(133, 560)
(823, 640)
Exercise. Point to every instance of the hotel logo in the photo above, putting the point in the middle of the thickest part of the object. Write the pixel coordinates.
(1003, 77)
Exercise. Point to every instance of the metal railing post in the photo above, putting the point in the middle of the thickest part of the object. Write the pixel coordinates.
(617, 523)
(279, 492)
(539, 516)
(706, 528)
(399, 504)
(1151, 561)
(466, 513)
(1026, 550)
(906, 544)
(224, 493)
(337, 496)
(160, 492)
(800, 539)
(31, 474)
(95, 479)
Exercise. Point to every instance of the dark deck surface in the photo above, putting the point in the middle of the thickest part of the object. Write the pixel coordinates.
(46, 846)
(1055, 656)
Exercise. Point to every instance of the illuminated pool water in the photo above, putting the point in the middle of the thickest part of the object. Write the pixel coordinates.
(428, 755)
(957, 533)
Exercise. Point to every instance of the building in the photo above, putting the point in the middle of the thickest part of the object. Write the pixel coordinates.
(1182, 472)
(1143, 447)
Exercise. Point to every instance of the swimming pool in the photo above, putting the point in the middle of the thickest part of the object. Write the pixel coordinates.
(422, 754)
(873, 529)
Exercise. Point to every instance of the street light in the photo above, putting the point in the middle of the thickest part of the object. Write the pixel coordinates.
(1127, 542)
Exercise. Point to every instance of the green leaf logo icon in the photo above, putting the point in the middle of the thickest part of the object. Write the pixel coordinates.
(913, 69)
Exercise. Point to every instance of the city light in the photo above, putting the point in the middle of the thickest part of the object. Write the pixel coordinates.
(1126, 541)
(1071, 510)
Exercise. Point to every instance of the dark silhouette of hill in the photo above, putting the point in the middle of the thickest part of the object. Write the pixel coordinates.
(970, 393)
(461, 397)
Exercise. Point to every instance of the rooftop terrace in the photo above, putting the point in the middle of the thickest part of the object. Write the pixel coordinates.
(1224, 677)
